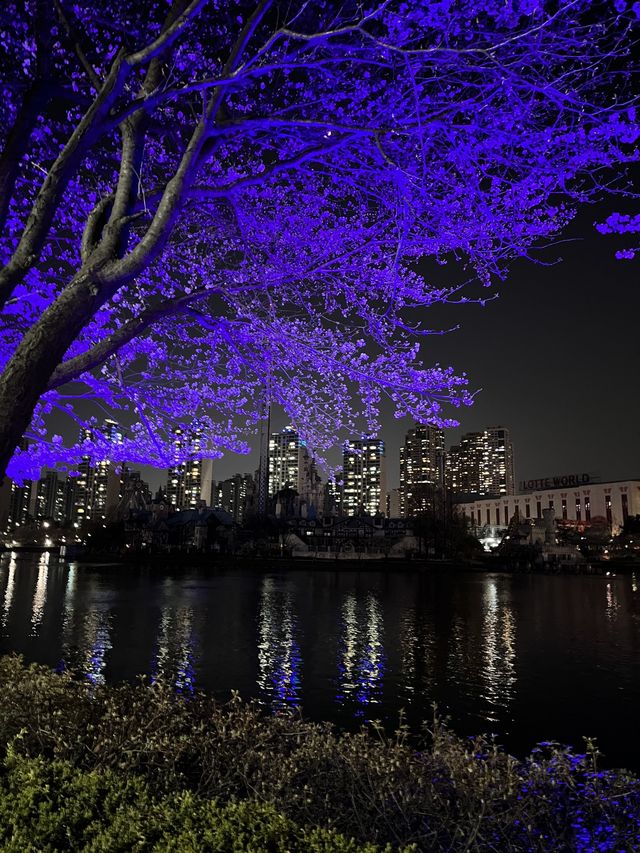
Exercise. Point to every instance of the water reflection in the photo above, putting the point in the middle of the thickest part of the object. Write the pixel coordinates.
(174, 661)
(527, 657)
(68, 606)
(96, 643)
(361, 661)
(417, 649)
(460, 665)
(10, 589)
(499, 655)
(612, 600)
(279, 659)
(86, 630)
(40, 594)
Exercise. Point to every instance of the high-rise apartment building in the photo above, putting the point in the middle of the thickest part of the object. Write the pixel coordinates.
(332, 495)
(97, 487)
(83, 485)
(19, 504)
(393, 504)
(466, 465)
(232, 495)
(50, 493)
(190, 481)
(310, 486)
(421, 469)
(107, 479)
(19, 499)
(285, 460)
(364, 477)
(499, 474)
(481, 464)
(292, 466)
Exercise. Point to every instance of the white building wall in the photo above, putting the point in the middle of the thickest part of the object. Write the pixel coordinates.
(605, 502)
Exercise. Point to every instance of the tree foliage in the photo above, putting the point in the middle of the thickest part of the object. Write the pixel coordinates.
(204, 204)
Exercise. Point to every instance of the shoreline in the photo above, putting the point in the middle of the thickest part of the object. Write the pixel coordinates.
(393, 565)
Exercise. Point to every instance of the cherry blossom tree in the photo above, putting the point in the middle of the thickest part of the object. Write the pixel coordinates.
(623, 224)
(206, 203)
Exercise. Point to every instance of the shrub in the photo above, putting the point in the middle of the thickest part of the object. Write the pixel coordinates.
(50, 805)
(452, 795)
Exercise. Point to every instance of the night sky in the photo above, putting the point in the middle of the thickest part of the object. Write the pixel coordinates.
(555, 359)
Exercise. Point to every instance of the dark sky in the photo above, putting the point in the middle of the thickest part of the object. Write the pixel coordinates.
(556, 359)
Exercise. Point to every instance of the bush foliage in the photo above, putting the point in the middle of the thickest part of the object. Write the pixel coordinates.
(137, 767)
(50, 805)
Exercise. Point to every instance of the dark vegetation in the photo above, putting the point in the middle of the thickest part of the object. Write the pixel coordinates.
(136, 767)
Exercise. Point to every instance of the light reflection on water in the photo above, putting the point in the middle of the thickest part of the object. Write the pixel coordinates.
(534, 657)
(361, 660)
(8, 594)
(418, 658)
(177, 646)
(68, 606)
(40, 594)
(498, 661)
(96, 643)
(279, 659)
(174, 661)
(612, 601)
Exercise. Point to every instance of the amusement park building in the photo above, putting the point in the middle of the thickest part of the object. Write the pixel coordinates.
(576, 501)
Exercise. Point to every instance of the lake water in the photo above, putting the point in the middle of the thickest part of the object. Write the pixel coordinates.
(528, 658)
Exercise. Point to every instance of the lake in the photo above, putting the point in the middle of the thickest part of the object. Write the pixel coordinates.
(524, 657)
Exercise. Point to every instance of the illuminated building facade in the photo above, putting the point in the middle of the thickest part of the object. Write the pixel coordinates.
(106, 479)
(481, 464)
(580, 505)
(285, 452)
(292, 466)
(233, 494)
(364, 477)
(19, 504)
(83, 485)
(97, 487)
(50, 494)
(19, 499)
(465, 465)
(498, 469)
(332, 491)
(421, 469)
(189, 481)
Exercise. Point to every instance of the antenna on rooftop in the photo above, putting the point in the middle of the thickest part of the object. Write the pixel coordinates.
(263, 471)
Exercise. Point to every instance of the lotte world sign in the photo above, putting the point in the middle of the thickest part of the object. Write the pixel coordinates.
(560, 482)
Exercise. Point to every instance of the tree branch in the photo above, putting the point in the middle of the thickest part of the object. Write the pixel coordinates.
(168, 36)
(282, 166)
(48, 197)
(74, 38)
(99, 353)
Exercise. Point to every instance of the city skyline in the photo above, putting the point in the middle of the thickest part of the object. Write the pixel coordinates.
(551, 359)
(319, 434)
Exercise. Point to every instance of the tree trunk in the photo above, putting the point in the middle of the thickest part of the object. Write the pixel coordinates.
(26, 376)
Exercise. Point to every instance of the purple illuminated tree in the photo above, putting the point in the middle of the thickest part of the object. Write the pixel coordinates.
(203, 203)
(625, 224)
